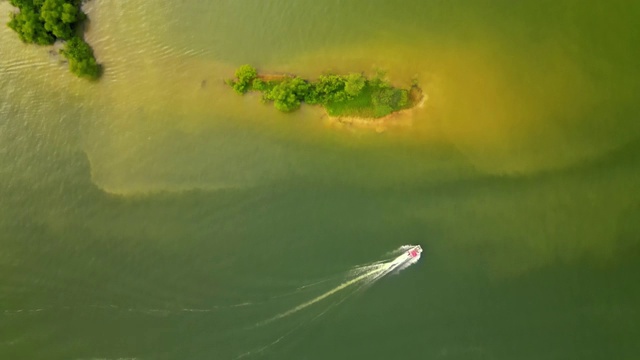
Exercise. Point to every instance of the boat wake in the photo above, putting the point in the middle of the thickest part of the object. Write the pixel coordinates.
(360, 277)
(366, 274)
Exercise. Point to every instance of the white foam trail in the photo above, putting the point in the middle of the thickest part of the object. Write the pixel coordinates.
(370, 272)
(365, 269)
(407, 264)
(324, 296)
(312, 284)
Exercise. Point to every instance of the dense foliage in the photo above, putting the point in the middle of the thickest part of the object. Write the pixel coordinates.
(81, 59)
(43, 22)
(351, 94)
(288, 94)
(244, 78)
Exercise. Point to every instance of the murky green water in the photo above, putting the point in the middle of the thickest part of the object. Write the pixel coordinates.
(157, 215)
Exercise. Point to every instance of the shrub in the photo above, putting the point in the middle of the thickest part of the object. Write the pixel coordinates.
(330, 88)
(354, 84)
(244, 78)
(392, 97)
(240, 87)
(81, 59)
(288, 95)
(259, 84)
(246, 73)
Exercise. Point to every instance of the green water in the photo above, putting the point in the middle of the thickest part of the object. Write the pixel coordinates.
(157, 215)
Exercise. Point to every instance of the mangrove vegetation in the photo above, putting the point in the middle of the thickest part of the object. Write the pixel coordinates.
(353, 95)
(43, 22)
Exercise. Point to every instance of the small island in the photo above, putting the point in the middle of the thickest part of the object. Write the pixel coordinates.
(44, 22)
(353, 95)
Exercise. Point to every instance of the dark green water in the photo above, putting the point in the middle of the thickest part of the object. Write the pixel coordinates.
(156, 215)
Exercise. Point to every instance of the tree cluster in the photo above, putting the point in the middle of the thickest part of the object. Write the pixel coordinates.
(244, 78)
(288, 93)
(43, 22)
(388, 99)
(81, 59)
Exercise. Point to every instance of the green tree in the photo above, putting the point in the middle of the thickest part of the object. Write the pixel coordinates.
(30, 27)
(288, 95)
(259, 84)
(330, 88)
(59, 18)
(244, 78)
(246, 73)
(354, 84)
(81, 59)
(21, 4)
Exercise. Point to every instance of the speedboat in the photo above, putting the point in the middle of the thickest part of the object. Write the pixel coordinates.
(414, 252)
(410, 256)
